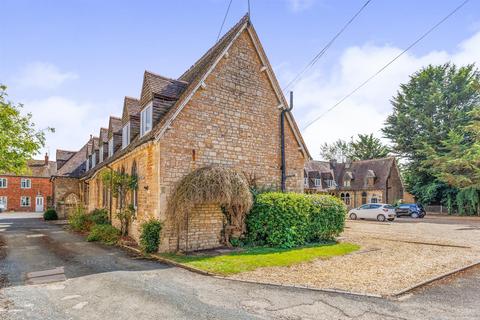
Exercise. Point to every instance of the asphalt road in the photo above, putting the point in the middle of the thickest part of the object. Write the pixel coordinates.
(108, 283)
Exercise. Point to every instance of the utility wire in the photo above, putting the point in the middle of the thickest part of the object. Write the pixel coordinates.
(324, 49)
(387, 65)
(223, 22)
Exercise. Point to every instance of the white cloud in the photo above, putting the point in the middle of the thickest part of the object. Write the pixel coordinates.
(300, 5)
(41, 75)
(366, 110)
(73, 121)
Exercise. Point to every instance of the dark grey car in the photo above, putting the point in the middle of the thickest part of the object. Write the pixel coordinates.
(408, 209)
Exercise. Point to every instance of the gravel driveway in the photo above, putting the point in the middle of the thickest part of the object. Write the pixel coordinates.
(393, 257)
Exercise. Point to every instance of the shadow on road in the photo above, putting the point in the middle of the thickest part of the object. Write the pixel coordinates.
(30, 245)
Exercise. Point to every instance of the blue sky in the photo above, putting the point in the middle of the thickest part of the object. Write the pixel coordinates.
(72, 62)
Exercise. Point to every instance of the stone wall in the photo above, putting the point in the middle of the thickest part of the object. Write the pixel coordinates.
(202, 231)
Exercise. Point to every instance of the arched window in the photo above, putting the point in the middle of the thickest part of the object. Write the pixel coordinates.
(342, 196)
(364, 197)
(347, 198)
(135, 190)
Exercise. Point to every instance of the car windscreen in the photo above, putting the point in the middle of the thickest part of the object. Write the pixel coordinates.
(388, 206)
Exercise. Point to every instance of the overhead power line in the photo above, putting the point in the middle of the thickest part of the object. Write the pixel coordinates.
(224, 19)
(324, 49)
(387, 65)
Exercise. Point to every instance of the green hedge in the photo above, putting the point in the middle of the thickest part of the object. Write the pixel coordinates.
(150, 236)
(99, 216)
(104, 233)
(81, 221)
(50, 214)
(292, 219)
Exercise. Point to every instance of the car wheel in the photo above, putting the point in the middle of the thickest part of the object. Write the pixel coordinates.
(391, 219)
(353, 216)
(381, 218)
(414, 215)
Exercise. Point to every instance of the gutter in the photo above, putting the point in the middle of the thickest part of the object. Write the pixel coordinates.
(282, 142)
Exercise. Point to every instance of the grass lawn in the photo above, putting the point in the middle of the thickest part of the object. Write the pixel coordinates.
(257, 257)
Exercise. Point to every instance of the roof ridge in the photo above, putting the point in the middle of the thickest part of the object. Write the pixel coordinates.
(376, 159)
(131, 98)
(243, 20)
(163, 77)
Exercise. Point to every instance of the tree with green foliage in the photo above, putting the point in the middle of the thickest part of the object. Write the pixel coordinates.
(457, 163)
(338, 150)
(367, 147)
(364, 147)
(435, 100)
(120, 185)
(19, 140)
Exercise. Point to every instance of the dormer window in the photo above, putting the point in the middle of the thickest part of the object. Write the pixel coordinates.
(330, 183)
(126, 135)
(146, 120)
(347, 183)
(110, 147)
(100, 154)
(318, 182)
(87, 165)
(94, 159)
(305, 182)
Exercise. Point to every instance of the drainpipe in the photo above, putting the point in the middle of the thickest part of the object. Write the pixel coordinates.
(282, 142)
(110, 193)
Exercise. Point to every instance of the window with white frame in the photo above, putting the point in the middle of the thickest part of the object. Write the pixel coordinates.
(87, 165)
(100, 154)
(24, 201)
(305, 182)
(3, 182)
(346, 183)
(110, 147)
(318, 182)
(330, 183)
(25, 183)
(94, 159)
(146, 120)
(126, 135)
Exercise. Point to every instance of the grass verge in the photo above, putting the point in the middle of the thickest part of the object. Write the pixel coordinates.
(258, 257)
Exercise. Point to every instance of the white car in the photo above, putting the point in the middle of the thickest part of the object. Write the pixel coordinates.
(376, 211)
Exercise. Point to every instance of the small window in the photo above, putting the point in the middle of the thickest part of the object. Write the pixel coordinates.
(25, 183)
(364, 197)
(346, 183)
(146, 120)
(94, 160)
(330, 183)
(347, 199)
(318, 182)
(100, 154)
(87, 165)
(126, 135)
(110, 147)
(305, 182)
(25, 201)
(3, 182)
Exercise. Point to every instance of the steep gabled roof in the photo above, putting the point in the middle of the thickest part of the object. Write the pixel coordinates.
(202, 68)
(75, 166)
(64, 155)
(103, 135)
(374, 168)
(131, 106)
(155, 84)
(38, 168)
(114, 126)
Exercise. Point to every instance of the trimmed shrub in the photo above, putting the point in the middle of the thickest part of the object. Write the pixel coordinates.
(104, 233)
(79, 220)
(292, 219)
(50, 214)
(327, 217)
(150, 236)
(279, 220)
(99, 216)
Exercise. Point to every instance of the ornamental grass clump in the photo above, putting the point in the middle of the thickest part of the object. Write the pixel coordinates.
(212, 185)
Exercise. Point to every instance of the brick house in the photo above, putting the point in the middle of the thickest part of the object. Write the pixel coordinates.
(357, 182)
(31, 192)
(224, 110)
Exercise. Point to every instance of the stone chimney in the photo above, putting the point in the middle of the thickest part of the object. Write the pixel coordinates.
(46, 159)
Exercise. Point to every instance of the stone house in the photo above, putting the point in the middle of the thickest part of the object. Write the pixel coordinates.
(224, 110)
(30, 192)
(357, 182)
